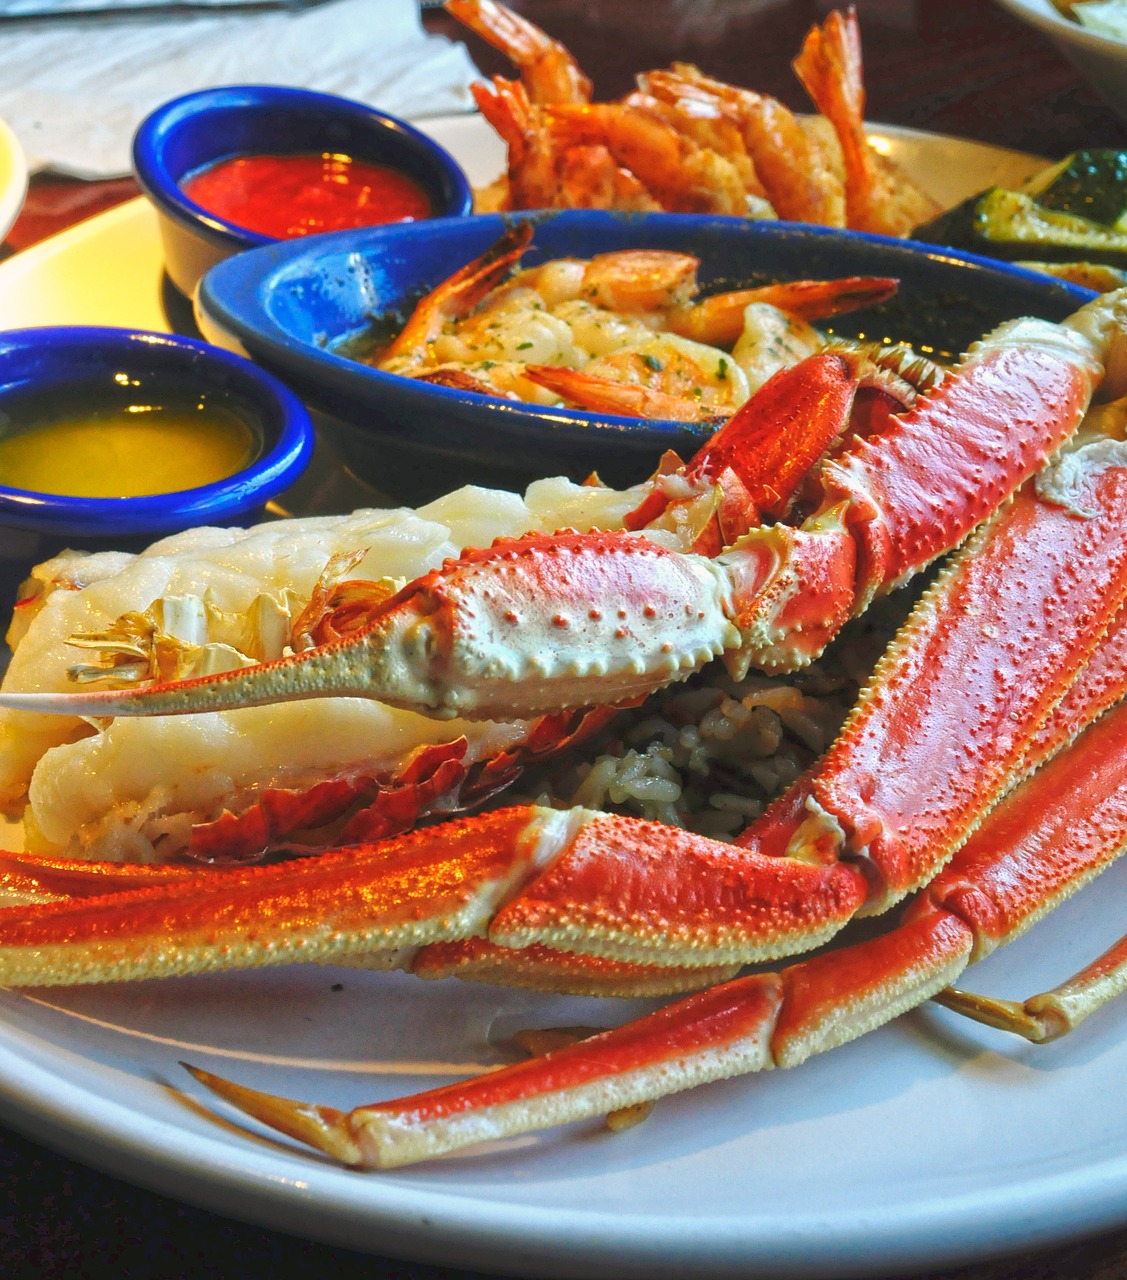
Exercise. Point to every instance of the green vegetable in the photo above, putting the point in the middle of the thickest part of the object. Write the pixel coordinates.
(1074, 212)
(1089, 184)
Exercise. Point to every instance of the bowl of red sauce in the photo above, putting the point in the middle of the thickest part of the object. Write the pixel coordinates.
(236, 167)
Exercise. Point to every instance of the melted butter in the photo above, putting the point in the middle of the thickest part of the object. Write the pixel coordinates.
(126, 450)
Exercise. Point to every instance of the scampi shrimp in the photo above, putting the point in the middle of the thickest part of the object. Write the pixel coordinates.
(622, 332)
(587, 390)
(456, 297)
(676, 369)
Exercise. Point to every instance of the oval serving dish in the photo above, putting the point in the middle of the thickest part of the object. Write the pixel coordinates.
(40, 368)
(201, 129)
(295, 307)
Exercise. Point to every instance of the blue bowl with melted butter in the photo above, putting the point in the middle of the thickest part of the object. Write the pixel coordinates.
(114, 433)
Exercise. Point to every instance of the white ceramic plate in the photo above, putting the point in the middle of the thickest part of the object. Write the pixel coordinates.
(108, 270)
(928, 1142)
(13, 178)
(1101, 59)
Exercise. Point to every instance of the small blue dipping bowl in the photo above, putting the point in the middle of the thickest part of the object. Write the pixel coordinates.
(40, 364)
(201, 129)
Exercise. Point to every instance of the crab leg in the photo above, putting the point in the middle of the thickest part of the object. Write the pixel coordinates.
(563, 620)
(999, 884)
(1050, 1014)
(858, 831)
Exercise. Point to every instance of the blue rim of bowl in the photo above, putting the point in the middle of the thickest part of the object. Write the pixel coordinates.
(284, 416)
(277, 348)
(164, 188)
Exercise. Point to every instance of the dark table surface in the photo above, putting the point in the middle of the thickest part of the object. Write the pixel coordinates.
(952, 66)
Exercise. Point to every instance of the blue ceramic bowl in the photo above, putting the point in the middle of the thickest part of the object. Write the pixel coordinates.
(202, 128)
(37, 365)
(292, 307)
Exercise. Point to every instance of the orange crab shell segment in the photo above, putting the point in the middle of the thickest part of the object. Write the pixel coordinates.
(916, 489)
(768, 445)
(792, 592)
(959, 696)
(723, 1031)
(1044, 841)
(442, 882)
(746, 1025)
(637, 891)
(999, 884)
(541, 968)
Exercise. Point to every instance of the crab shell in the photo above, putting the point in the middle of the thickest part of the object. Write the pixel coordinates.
(1015, 649)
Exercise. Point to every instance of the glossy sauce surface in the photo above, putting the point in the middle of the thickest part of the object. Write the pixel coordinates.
(299, 195)
(75, 447)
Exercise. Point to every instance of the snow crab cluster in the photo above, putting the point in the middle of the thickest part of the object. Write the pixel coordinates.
(981, 770)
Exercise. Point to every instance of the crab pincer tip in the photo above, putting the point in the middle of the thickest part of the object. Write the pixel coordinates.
(324, 1128)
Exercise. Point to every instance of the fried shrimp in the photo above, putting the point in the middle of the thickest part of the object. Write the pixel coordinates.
(685, 142)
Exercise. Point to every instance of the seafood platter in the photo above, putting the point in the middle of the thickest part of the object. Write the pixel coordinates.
(506, 868)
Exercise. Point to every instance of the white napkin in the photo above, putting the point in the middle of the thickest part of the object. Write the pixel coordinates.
(74, 91)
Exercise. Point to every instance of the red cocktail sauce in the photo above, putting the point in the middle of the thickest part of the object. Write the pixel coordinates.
(301, 195)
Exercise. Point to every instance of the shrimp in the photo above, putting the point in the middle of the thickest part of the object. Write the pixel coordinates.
(542, 175)
(767, 329)
(878, 197)
(623, 331)
(457, 296)
(798, 182)
(585, 390)
(548, 71)
(676, 367)
(685, 142)
(721, 319)
(709, 127)
(682, 176)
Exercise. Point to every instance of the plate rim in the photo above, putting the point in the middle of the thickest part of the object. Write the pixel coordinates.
(14, 191)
